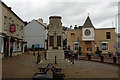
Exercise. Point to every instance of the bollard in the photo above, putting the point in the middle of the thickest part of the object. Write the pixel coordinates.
(45, 55)
(102, 58)
(118, 55)
(89, 57)
(73, 60)
(109, 55)
(114, 60)
(38, 53)
(55, 60)
(28, 51)
(38, 59)
(70, 59)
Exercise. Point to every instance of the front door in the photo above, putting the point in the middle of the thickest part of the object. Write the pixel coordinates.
(6, 47)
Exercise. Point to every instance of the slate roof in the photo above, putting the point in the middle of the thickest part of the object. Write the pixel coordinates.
(88, 23)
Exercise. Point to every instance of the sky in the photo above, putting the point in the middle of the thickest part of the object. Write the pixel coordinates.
(102, 13)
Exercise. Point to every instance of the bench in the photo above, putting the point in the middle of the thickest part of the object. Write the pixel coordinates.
(57, 75)
(44, 69)
(56, 69)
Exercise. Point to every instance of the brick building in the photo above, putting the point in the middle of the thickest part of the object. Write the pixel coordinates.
(89, 38)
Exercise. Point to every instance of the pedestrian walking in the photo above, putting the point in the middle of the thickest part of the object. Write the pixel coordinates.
(38, 58)
(11, 50)
(33, 51)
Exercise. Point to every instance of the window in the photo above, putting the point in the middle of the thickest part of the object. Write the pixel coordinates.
(21, 28)
(104, 45)
(17, 29)
(107, 35)
(73, 36)
(76, 46)
(5, 18)
(58, 40)
(89, 49)
(51, 40)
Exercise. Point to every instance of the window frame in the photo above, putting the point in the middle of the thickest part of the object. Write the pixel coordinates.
(51, 41)
(5, 19)
(77, 45)
(58, 40)
(108, 35)
(106, 46)
(88, 49)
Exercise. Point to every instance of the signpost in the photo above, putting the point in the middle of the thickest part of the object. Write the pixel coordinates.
(95, 44)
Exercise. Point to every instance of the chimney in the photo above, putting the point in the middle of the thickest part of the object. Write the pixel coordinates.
(75, 27)
(70, 26)
(40, 20)
(10, 8)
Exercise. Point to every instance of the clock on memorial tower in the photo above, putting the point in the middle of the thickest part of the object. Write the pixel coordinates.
(87, 32)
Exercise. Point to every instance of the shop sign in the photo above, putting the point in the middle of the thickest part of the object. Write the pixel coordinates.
(12, 28)
(37, 45)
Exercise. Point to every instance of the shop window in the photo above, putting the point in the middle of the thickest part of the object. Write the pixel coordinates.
(104, 45)
(89, 49)
(108, 35)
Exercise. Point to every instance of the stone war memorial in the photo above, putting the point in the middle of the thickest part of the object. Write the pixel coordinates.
(55, 39)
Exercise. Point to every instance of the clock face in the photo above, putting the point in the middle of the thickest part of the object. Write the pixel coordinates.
(87, 32)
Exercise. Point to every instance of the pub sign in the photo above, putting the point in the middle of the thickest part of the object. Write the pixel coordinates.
(12, 28)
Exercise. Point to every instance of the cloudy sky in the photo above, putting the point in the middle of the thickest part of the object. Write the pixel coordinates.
(102, 13)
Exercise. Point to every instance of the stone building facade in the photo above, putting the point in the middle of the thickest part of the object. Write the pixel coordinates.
(11, 31)
(88, 38)
(55, 38)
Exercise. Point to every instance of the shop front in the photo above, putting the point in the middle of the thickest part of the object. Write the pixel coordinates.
(8, 42)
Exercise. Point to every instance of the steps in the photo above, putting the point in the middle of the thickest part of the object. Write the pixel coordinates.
(60, 63)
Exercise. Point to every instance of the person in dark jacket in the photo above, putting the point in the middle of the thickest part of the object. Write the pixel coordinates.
(11, 50)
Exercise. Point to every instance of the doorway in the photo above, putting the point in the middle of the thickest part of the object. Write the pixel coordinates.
(6, 47)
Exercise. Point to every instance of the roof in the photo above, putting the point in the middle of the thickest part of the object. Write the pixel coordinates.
(11, 11)
(37, 22)
(88, 23)
(41, 24)
(105, 28)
